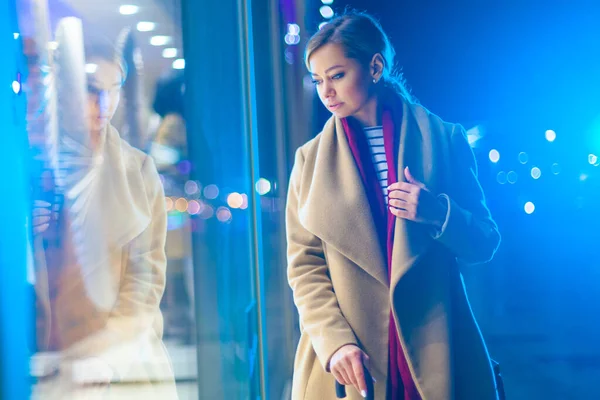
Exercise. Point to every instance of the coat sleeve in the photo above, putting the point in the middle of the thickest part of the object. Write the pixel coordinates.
(320, 315)
(144, 279)
(469, 230)
(132, 323)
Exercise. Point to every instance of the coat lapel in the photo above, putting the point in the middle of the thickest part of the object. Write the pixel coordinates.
(108, 206)
(416, 151)
(336, 208)
(421, 325)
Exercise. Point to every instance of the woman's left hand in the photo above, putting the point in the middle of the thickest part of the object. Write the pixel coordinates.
(92, 372)
(413, 201)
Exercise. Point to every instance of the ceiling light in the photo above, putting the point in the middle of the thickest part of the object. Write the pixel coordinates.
(179, 63)
(160, 40)
(169, 52)
(128, 9)
(145, 26)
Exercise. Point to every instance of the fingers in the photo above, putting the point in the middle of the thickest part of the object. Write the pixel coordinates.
(402, 200)
(411, 184)
(401, 213)
(402, 186)
(350, 370)
(41, 204)
(351, 363)
(401, 204)
(340, 374)
(410, 178)
(404, 191)
(401, 195)
(40, 224)
(358, 368)
(41, 216)
(367, 363)
(38, 212)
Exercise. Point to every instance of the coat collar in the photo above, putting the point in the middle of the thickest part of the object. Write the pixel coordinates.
(105, 196)
(107, 205)
(335, 207)
(416, 150)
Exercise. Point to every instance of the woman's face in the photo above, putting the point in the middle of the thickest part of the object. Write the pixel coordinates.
(343, 84)
(104, 89)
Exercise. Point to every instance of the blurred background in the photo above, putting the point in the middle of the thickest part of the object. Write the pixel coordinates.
(218, 94)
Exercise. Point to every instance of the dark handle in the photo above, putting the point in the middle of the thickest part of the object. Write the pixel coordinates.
(340, 390)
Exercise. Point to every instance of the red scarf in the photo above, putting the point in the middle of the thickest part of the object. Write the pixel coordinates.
(401, 384)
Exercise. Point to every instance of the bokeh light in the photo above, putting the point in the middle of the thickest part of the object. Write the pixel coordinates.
(529, 207)
(224, 214)
(494, 155)
(263, 186)
(181, 204)
(235, 200)
(550, 135)
(194, 207)
(211, 192)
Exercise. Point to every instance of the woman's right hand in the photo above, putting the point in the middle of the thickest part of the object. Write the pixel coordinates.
(41, 216)
(348, 367)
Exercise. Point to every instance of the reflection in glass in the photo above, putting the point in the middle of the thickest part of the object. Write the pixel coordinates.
(99, 220)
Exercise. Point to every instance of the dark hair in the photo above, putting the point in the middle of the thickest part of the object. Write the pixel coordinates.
(169, 94)
(107, 52)
(361, 37)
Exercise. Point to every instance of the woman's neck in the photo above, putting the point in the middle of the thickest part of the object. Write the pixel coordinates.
(370, 113)
(97, 139)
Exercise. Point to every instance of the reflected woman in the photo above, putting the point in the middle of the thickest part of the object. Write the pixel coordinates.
(101, 273)
(381, 205)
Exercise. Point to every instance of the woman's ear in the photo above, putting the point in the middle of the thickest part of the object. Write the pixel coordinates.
(377, 66)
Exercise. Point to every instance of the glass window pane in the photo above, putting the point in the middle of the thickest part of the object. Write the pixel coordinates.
(113, 202)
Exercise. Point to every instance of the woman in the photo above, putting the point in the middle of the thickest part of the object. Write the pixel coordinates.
(381, 204)
(101, 262)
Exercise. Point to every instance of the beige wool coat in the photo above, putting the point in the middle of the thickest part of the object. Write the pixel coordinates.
(107, 277)
(339, 275)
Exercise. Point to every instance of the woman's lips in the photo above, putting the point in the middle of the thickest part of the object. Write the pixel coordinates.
(334, 107)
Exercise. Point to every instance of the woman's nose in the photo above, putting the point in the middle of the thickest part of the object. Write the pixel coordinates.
(328, 90)
(103, 100)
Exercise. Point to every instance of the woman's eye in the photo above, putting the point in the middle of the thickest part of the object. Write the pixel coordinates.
(316, 83)
(338, 76)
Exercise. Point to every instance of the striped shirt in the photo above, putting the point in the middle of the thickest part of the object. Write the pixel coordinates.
(375, 140)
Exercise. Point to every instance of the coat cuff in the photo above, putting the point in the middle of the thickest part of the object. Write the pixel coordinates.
(333, 349)
(445, 201)
(457, 223)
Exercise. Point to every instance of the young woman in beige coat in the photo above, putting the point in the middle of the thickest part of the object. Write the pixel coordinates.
(101, 266)
(381, 205)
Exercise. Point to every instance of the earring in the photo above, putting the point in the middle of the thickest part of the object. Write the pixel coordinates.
(374, 80)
